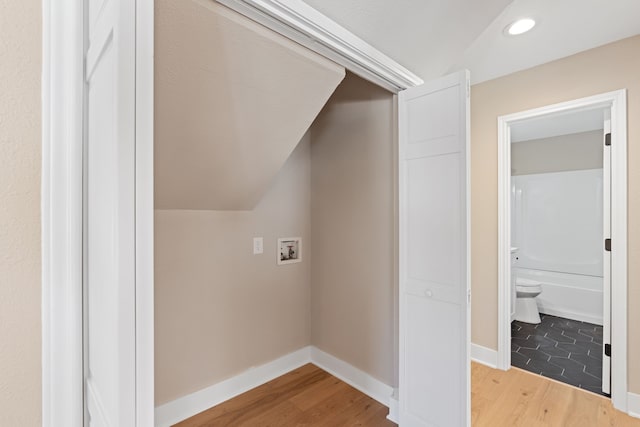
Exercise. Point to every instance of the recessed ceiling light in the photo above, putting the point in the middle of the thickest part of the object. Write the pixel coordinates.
(520, 26)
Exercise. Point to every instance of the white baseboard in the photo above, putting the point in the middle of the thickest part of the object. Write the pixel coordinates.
(633, 405)
(580, 317)
(484, 355)
(394, 407)
(187, 406)
(353, 376)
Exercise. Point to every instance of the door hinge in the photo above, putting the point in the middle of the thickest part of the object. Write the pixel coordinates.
(607, 139)
(607, 350)
(607, 245)
(468, 296)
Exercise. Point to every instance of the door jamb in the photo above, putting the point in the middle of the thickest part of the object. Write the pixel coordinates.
(616, 100)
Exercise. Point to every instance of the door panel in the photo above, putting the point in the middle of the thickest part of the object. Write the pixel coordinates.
(109, 280)
(434, 272)
(426, 360)
(434, 118)
(433, 252)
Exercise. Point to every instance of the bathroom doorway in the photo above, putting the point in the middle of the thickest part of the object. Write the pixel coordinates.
(560, 205)
(557, 261)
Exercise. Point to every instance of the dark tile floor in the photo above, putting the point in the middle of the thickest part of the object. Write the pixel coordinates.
(565, 350)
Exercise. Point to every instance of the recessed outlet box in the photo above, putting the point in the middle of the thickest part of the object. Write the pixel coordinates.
(289, 250)
(258, 245)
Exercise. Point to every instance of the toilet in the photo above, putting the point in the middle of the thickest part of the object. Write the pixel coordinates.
(523, 294)
(526, 306)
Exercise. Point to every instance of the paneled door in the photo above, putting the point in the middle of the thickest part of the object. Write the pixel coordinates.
(434, 253)
(109, 214)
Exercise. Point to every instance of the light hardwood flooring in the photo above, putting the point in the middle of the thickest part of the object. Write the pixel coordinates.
(309, 396)
(520, 398)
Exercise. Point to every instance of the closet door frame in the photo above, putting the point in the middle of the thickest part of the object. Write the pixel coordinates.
(62, 212)
(62, 109)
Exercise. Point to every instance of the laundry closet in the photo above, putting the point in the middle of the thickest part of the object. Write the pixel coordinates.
(258, 137)
(285, 205)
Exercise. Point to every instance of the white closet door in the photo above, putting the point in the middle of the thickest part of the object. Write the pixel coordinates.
(109, 281)
(434, 253)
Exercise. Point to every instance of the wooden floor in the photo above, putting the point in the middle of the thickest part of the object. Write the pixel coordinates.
(520, 398)
(309, 396)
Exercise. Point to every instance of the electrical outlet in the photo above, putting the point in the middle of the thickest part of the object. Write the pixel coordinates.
(258, 245)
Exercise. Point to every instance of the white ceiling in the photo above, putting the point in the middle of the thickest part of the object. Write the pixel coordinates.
(433, 37)
(559, 124)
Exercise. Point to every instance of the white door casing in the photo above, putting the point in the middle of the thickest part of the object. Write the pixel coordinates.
(64, 132)
(62, 168)
(434, 253)
(616, 102)
(109, 201)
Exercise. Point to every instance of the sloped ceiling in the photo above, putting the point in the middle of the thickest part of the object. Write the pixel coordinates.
(434, 37)
(232, 101)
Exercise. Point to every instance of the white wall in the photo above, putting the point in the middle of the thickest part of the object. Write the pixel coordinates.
(558, 230)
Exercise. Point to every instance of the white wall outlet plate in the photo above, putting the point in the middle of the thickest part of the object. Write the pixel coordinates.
(258, 246)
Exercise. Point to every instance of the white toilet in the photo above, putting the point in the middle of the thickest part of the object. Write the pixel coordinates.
(524, 294)
(526, 306)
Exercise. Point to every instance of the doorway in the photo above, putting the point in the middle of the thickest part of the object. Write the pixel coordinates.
(613, 302)
(557, 261)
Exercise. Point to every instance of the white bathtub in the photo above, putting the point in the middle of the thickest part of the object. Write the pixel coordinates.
(572, 296)
(557, 226)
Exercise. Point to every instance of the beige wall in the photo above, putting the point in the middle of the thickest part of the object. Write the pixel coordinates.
(232, 100)
(352, 200)
(577, 151)
(20, 350)
(220, 309)
(611, 67)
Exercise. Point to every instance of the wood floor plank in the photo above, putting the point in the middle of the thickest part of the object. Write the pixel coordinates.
(379, 418)
(283, 414)
(317, 393)
(336, 410)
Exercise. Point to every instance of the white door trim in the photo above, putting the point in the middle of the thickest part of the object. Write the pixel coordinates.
(62, 167)
(303, 24)
(617, 102)
(62, 106)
